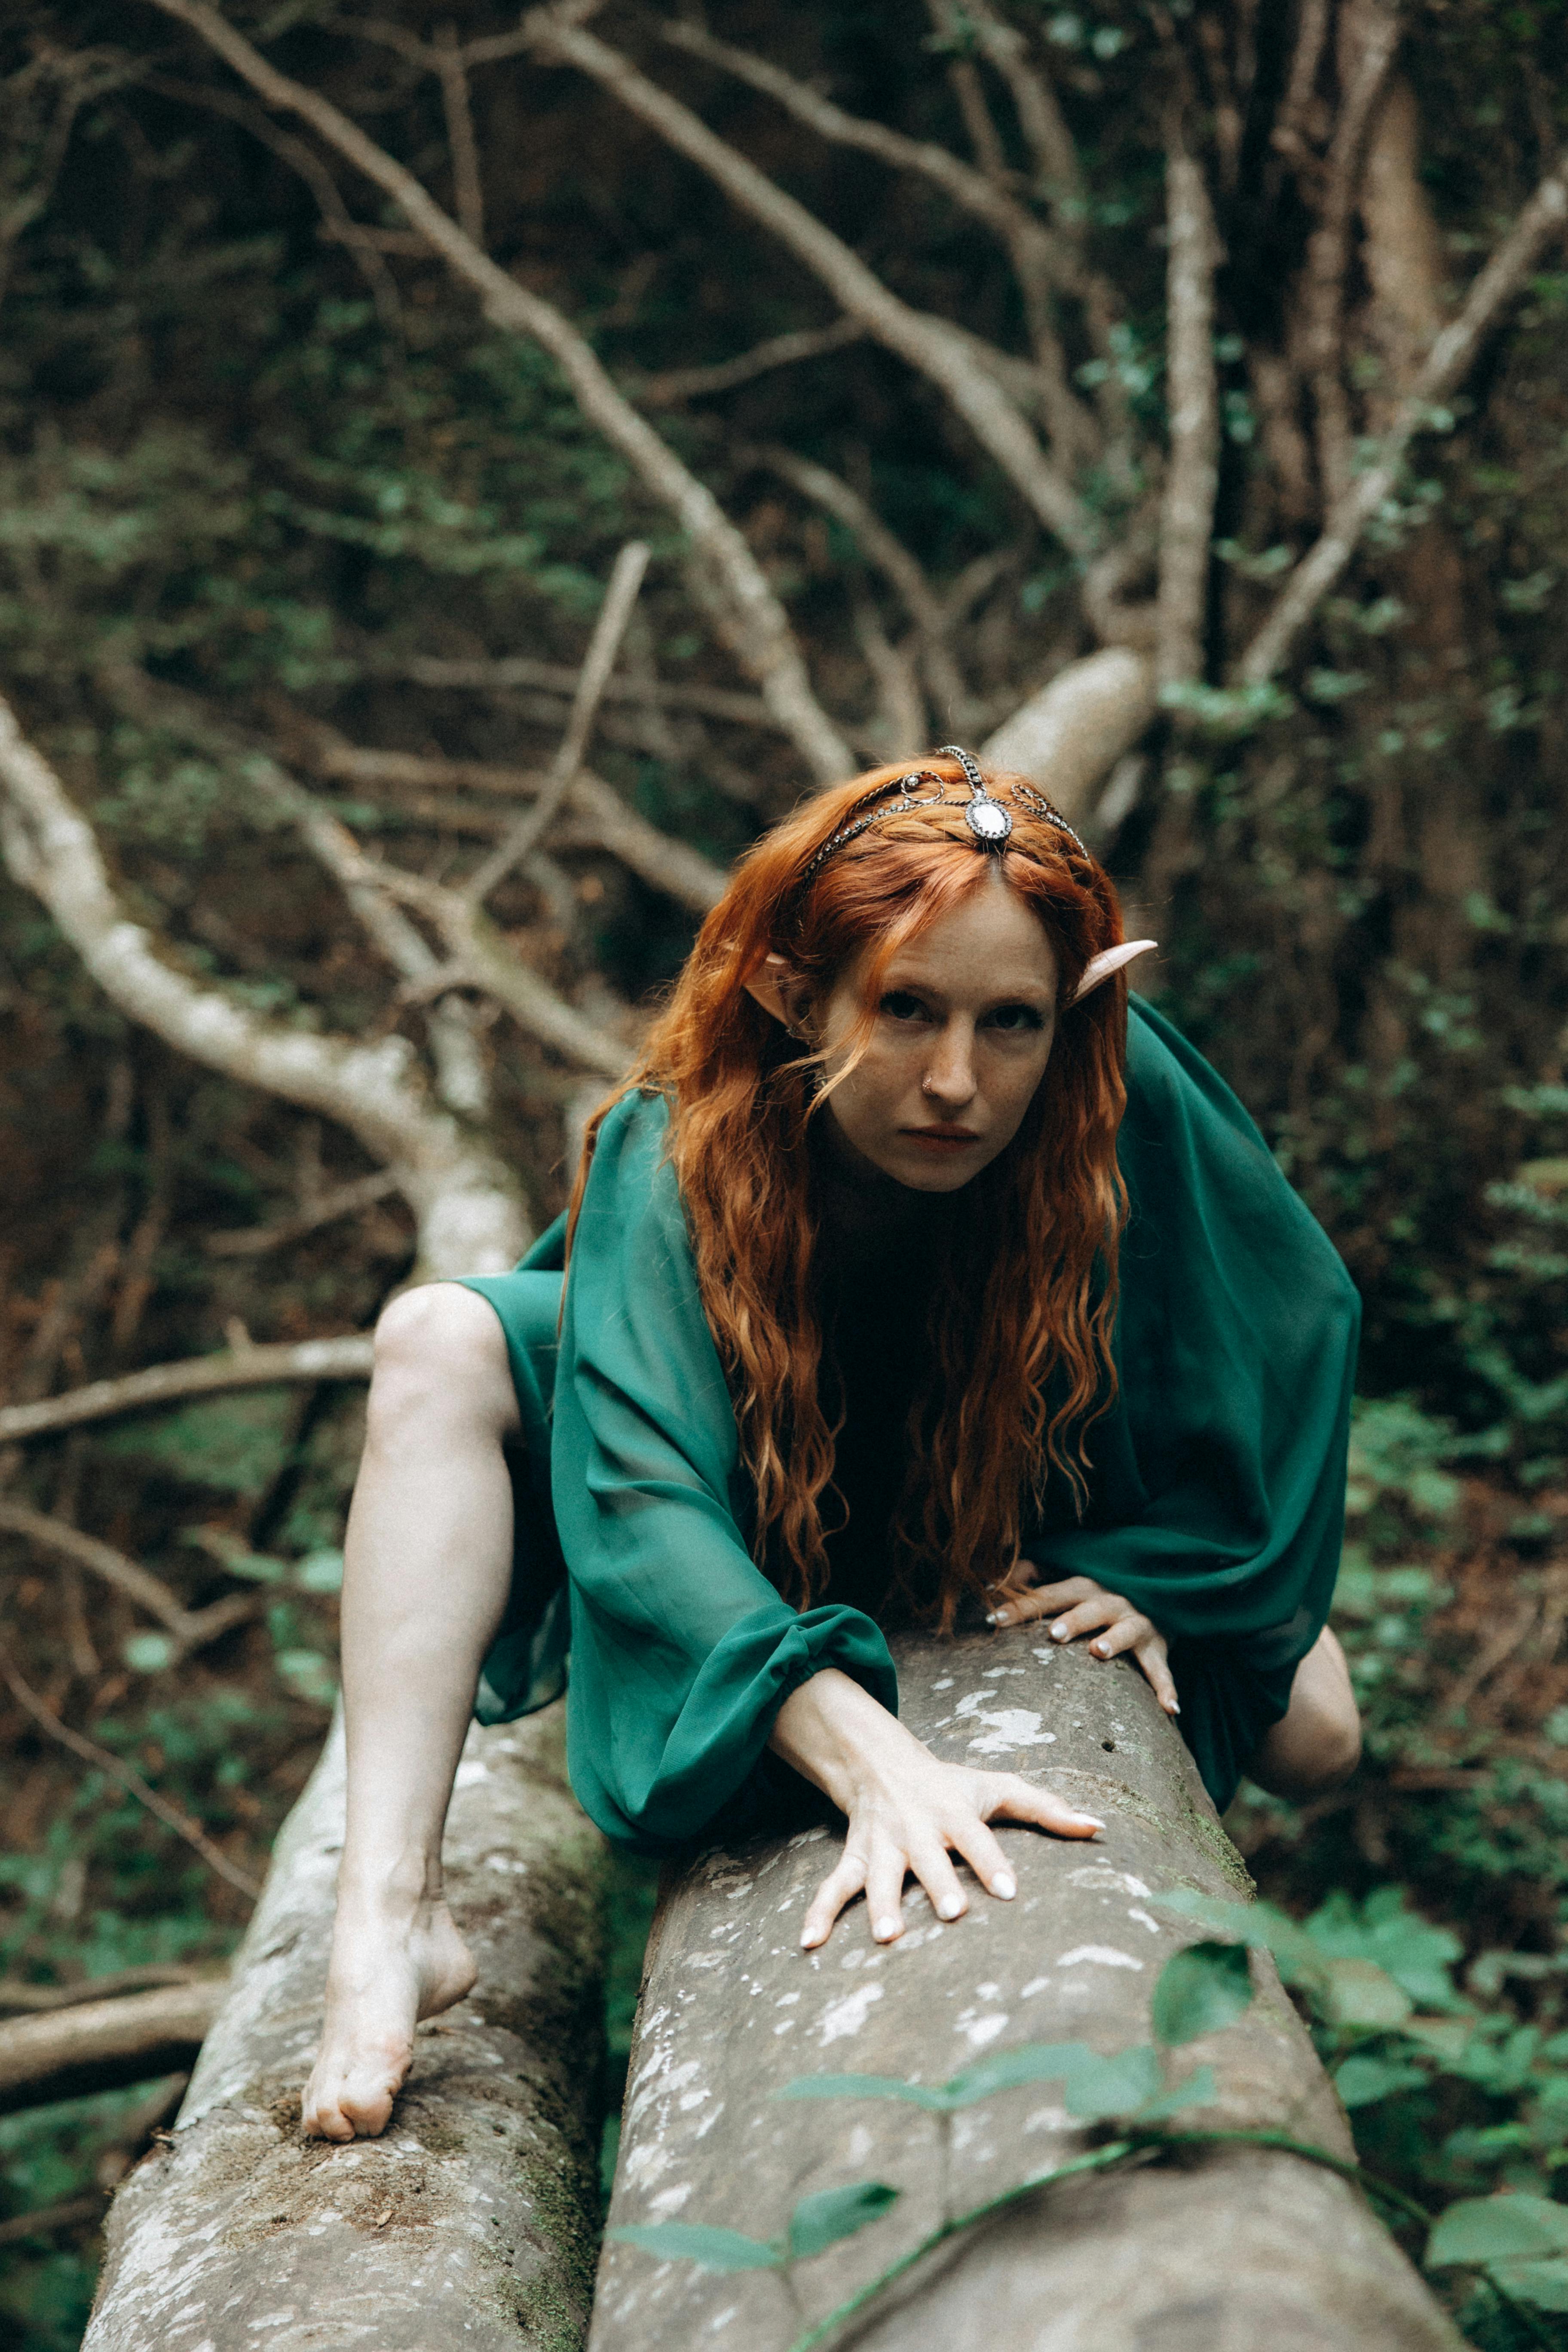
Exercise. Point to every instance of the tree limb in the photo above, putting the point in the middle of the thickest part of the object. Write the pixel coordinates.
(888, 551)
(466, 1201)
(346, 1359)
(933, 347)
(342, 1201)
(674, 385)
(104, 2043)
(468, 187)
(604, 650)
(1065, 738)
(1041, 261)
(192, 1628)
(1443, 368)
(554, 678)
(728, 578)
(37, 1999)
(1191, 475)
(100, 1760)
(1328, 249)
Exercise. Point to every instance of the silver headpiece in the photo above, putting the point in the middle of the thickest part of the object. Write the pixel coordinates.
(989, 820)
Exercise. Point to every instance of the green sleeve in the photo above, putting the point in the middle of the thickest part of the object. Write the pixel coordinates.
(683, 1652)
(1219, 1473)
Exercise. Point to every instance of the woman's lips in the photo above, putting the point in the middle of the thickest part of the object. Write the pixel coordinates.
(941, 1138)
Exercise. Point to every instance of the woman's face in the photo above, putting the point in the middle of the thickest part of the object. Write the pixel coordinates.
(964, 1031)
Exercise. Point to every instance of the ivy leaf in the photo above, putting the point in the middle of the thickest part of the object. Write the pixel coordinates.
(1201, 1990)
(1099, 2087)
(1259, 1924)
(1358, 1992)
(695, 2242)
(1036, 2061)
(1362, 2082)
(1497, 2229)
(931, 2096)
(819, 2222)
(1545, 2284)
(1198, 2089)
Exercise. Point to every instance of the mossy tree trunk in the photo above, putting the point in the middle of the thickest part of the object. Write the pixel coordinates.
(1223, 2247)
(473, 2221)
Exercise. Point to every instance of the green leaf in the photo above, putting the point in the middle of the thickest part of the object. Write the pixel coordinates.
(819, 2222)
(1497, 2229)
(308, 1676)
(1198, 2089)
(1201, 1990)
(320, 1572)
(1036, 2061)
(1358, 1992)
(866, 2087)
(1120, 2085)
(695, 2242)
(1545, 2284)
(147, 1654)
(1257, 1923)
(1415, 1954)
(1362, 2082)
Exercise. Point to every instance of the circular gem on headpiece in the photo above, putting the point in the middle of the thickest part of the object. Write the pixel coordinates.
(989, 822)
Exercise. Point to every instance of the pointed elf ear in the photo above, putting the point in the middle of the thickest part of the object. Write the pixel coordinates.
(769, 984)
(1110, 959)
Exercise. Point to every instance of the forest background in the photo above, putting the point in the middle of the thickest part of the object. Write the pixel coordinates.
(458, 478)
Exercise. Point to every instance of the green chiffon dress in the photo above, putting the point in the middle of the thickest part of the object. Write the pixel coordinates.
(1217, 1483)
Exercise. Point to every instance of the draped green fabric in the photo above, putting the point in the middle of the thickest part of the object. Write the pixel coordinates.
(1217, 1487)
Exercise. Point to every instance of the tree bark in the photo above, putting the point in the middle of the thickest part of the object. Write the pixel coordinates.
(101, 2044)
(1072, 733)
(470, 2224)
(1232, 2246)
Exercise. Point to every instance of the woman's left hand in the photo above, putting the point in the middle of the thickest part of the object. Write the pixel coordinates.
(1078, 1605)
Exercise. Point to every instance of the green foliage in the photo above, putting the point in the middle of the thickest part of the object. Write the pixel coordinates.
(1201, 1989)
(817, 2222)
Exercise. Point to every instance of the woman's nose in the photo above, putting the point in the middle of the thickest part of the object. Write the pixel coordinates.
(950, 1075)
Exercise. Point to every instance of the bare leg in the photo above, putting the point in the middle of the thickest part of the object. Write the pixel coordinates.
(428, 1563)
(1317, 1743)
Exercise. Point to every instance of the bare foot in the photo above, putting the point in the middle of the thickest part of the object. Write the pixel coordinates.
(393, 1963)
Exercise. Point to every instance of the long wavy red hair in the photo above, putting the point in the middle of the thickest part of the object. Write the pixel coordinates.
(1023, 1308)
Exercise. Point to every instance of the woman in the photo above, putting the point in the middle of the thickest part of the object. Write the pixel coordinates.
(907, 1280)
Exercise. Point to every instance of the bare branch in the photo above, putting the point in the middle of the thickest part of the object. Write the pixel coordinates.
(604, 650)
(1328, 250)
(934, 348)
(726, 576)
(1192, 474)
(265, 1367)
(554, 678)
(103, 2043)
(192, 1628)
(901, 715)
(600, 817)
(468, 187)
(342, 1201)
(100, 1760)
(1289, 134)
(1443, 368)
(35, 2000)
(677, 384)
(1065, 738)
(467, 1203)
(888, 551)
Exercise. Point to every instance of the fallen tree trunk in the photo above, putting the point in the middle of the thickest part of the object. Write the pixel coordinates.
(101, 2045)
(1223, 2247)
(471, 2223)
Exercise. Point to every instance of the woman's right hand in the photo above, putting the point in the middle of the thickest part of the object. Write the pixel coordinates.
(908, 1813)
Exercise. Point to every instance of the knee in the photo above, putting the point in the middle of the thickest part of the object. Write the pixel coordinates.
(438, 1349)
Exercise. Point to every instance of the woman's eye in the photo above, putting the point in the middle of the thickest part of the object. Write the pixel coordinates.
(1014, 1017)
(900, 1005)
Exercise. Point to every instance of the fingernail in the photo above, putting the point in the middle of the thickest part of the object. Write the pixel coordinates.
(1101, 1649)
(1059, 1631)
(1093, 1820)
(952, 1909)
(1004, 1884)
(1175, 1707)
(888, 1929)
(995, 1616)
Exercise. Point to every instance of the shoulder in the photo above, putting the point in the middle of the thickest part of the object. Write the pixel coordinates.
(1169, 1080)
(631, 1201)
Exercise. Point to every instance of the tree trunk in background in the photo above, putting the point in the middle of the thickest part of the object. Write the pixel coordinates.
(1232, 2247)
(472, 2221)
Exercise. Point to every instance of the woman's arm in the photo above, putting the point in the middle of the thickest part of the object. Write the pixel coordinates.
(906, 1810)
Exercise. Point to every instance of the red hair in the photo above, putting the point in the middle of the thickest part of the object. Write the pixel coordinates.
(1023, 1310)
